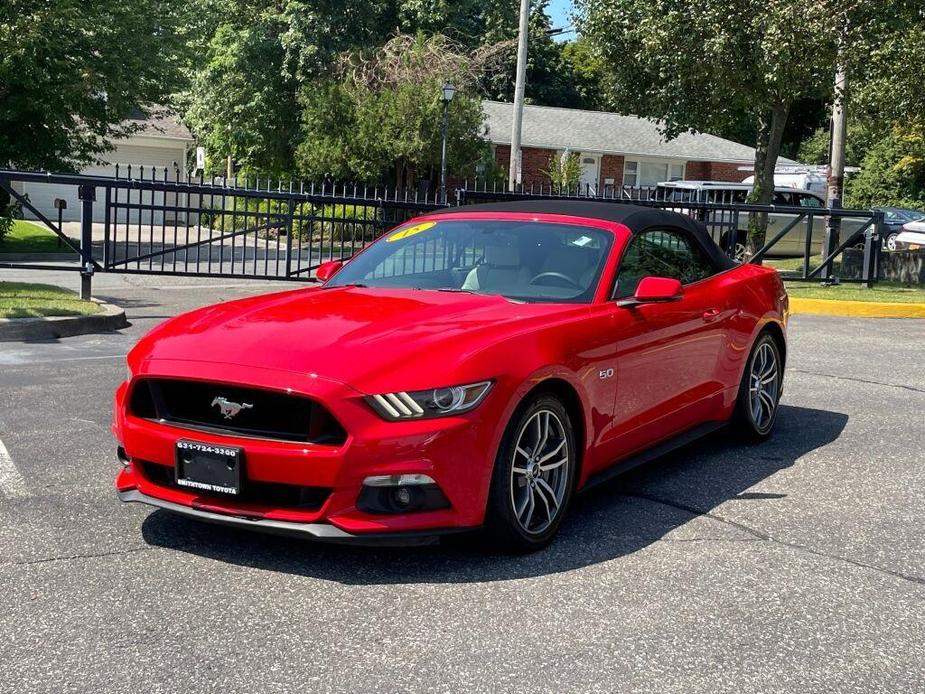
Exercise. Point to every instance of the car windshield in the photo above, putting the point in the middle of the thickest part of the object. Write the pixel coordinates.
(900, 215)
(526, 261)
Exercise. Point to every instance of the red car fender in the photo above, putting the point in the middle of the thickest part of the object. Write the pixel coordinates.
(534, 382)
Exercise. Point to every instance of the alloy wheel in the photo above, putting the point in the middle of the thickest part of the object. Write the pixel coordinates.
(764, 386)
(739, 253)
(540, 471)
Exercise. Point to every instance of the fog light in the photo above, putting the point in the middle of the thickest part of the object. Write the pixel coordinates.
(400, 494)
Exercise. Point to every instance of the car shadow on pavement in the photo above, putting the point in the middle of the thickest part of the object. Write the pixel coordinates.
(605, 523)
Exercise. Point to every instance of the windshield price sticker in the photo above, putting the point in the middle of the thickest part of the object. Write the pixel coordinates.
(410, 231)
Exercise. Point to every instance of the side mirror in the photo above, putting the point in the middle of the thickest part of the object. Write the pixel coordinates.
(327, 270)
(654, 290)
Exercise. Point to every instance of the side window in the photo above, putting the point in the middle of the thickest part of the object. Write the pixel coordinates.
(661, 253)
(782, 198)
(727, 196)
(809, 200)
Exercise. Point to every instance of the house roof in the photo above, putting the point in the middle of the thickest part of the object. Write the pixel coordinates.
(609, 133)
(160, 122)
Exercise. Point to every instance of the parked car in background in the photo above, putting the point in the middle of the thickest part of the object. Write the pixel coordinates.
(894, 218)
(911, 237)
(791, 245)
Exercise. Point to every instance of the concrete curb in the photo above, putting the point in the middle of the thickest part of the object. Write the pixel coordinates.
(856, 309)
(110, 318)
(39, 257)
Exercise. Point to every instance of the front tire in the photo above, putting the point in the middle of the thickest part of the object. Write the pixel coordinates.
(534, 476)
(760, 390)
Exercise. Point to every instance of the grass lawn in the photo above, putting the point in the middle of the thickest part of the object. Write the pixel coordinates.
(22, 300)
(882, 291)
(31, 237)
(793, 264)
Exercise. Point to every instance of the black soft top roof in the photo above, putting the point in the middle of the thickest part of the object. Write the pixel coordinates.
(635, 217)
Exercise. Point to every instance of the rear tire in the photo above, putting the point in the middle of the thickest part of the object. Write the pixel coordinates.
(534, 476)
(759, 392)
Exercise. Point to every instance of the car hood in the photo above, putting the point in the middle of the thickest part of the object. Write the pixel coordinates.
(352, 335)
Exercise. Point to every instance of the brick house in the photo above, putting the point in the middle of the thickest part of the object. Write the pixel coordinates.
(615, 150)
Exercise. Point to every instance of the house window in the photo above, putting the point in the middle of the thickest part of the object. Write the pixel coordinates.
(630, 173)
(640, 172)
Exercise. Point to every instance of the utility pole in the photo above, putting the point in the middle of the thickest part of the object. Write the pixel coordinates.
(514, 170)
(836, 178)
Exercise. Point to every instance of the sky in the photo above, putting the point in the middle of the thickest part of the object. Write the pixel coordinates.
(560, 10)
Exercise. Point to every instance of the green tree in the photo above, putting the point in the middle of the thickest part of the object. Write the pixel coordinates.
(892, 172)
(267, 59)
(564, 170)
(700, 66)
(244, 102)
(383, 113)
(558, 74)
(71, 71)
(586, 71)
(815, 148)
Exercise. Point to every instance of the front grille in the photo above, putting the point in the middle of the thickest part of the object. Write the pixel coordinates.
(255, 412)
(252, 491)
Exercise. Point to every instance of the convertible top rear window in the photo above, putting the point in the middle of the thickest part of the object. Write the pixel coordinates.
(526, 261)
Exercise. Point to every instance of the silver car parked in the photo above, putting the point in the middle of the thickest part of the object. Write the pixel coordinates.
(791, 245)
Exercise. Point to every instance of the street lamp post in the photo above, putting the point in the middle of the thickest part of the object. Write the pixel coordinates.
(448, 92)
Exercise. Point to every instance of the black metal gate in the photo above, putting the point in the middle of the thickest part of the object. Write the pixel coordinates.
(151, 224)
(827, 242)
(155, 222)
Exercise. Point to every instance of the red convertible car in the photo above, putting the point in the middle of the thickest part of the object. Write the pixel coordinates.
(472, 368)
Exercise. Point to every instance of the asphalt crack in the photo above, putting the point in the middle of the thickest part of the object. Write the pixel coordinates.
(71, 557)
(759, 535)
(858, 380)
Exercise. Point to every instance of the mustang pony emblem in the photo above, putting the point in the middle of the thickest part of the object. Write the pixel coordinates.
(230, 409)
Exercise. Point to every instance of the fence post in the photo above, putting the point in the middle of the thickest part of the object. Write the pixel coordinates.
(290, 212)
(87, 196)
(872, 244)
(832, 233)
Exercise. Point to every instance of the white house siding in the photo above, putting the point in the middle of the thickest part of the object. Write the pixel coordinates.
(151, 153)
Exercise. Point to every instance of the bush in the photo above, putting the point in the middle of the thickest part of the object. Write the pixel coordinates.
(248, 213)
(342, 223)
(6, 214)
(324, 223)
(564, 170)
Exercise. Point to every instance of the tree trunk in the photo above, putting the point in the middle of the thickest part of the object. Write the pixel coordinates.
(770, 134)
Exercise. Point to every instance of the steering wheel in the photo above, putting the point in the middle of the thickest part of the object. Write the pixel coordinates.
(558, 276)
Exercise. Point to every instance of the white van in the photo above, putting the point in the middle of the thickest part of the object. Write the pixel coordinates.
(807, 180)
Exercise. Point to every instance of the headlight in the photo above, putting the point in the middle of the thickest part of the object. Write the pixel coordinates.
(436, 402)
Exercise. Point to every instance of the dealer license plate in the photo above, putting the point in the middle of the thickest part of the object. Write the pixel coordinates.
(209, 468)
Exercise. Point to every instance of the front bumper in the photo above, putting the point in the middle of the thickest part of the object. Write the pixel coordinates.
(456, 452)
(321, 532)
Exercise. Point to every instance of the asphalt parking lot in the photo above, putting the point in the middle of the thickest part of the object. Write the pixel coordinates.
(797, 565)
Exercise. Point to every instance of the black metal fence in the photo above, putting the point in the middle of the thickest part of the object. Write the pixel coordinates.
(805, 239)
(153, 221)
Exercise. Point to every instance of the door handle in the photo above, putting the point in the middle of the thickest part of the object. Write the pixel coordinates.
(710, 315)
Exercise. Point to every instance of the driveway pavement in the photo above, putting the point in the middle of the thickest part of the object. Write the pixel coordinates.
(797, 565)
